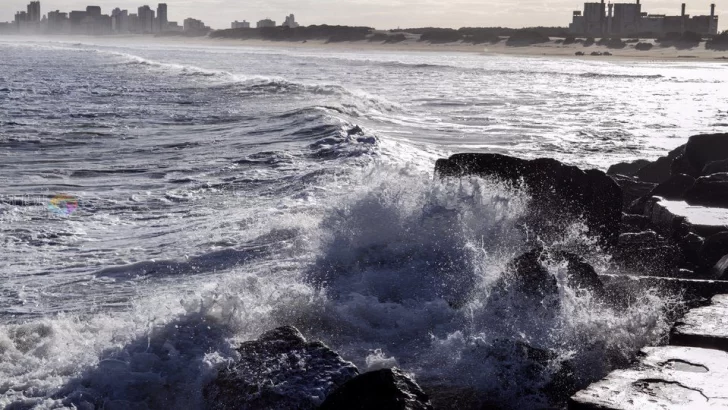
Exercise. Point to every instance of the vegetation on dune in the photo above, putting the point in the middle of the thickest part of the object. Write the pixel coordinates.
(323, 32)
(718, 43)
(682, 41)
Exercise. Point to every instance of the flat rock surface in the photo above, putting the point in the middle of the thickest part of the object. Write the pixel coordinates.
(704, 327)
(704, 221)
(670, 377)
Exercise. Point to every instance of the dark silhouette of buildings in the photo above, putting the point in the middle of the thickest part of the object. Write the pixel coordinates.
(628, 19)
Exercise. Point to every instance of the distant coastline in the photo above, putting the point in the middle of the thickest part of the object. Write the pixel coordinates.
(553, 47)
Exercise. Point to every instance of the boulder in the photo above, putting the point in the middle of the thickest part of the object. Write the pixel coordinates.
(712, 252)
(681, 165)
(528, 273)
(560, 193)
(660, 170)
(691, 244)
(386, 389)
(705, 327)
(675, 187)
(634, 223)
(632, 189)
(629, 169)
(711, 190)
(674, 219)
(704, 149)
(279, 370)
(647, 253)
(715, 167)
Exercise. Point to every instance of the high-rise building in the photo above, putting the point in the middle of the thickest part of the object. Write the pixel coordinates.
(93, 11)
(146, 19)
(290, 22)
(120, 21)
(162, 16)
(34, 12)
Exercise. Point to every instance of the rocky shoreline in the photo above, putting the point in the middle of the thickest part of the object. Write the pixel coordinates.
(665, 224)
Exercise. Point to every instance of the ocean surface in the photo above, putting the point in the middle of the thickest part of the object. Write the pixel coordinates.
(161, 203)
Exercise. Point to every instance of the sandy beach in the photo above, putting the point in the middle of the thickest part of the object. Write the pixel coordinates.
(550, 49)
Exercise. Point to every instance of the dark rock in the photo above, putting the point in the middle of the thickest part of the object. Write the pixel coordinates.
(675, 187)
(635, 223)
(647, 253)
(386, 389)
(279, 370)
(691, 245)
(715, 167)
(629, 169)
(713, 250)
(704, 149)
(356, 130)
(528, 274)
(681, 165)
(560, 193)
(660, 170)
(632, 189)
(638, 206)
(711, 190)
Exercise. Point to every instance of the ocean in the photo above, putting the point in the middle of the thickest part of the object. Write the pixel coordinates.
(161, 203)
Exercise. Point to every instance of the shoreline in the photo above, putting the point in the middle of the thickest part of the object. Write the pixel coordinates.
(550, 50)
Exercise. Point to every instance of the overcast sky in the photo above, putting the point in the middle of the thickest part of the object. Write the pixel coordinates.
(382, 14)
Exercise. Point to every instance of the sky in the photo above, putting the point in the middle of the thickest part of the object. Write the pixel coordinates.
(380, 14)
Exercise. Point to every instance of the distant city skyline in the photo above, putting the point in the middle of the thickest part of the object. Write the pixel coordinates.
(379, 14)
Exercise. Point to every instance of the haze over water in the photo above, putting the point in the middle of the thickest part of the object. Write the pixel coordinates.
(220, 194)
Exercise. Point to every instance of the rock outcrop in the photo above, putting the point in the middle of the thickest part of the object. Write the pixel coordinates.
(705, 327)
(386, 389)
(669, 377)
(674, 188)
(528, 274)
(561, 193)
(711, 190)
(279, 370)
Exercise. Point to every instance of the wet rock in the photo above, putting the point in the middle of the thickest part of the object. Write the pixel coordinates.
(705, 327)
(715, 167)
(675, 187)
(529, 274)
(647, 253)
(713, 250)
(632, 189)
(691, 244)
(704, 149)
(711, 190)
(674, 219)
(279, 370)
(681, 165)
(356, 130)
(386, 389)
(660, 170)
(560, 193)
(667, 377)
(627, 168)
(634, 223)
(638, 206)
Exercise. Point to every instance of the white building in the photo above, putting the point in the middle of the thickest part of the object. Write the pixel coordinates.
(290, 22)
(239, 24)
(266, 23)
